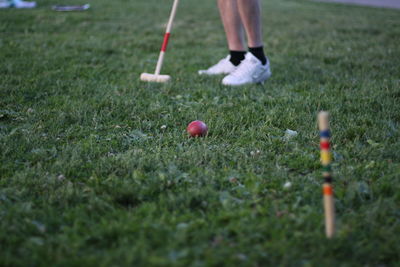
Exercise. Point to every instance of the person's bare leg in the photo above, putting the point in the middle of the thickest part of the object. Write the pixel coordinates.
(250, 70)
(233, 26)
(250, 14)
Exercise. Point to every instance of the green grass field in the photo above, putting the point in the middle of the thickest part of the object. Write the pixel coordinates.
(97, 169)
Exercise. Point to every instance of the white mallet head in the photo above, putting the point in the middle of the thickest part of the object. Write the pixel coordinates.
(148, 77)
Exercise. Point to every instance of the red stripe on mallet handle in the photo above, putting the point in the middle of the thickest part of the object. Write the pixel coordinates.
(165, 42)
(329, 205)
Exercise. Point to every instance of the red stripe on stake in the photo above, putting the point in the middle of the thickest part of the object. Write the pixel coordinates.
(328, 190)
(165, 43)
(324, 145)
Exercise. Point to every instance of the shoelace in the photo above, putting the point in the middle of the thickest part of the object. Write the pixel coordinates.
(243, 70)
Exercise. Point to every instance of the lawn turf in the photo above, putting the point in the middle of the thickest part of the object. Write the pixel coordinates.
(97, 170)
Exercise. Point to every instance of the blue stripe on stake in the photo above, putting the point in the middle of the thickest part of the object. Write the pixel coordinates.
(325, 134)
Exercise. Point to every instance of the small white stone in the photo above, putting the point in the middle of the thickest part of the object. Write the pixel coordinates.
(287, 185)
(233, 179)
(290, 133)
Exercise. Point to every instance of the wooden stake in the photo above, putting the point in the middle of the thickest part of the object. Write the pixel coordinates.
(326, 159)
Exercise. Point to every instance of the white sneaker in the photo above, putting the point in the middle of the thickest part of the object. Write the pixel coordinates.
(250, 70)
(224, 66)
(23, 4)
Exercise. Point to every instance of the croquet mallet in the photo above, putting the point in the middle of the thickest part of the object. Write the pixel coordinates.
(157, 77)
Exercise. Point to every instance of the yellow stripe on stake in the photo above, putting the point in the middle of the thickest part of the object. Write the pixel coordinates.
(326, 157)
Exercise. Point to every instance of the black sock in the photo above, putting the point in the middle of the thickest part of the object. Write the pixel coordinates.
(236, 57)
(258, 52)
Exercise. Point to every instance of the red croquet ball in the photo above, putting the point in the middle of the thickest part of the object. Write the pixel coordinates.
(197, 128)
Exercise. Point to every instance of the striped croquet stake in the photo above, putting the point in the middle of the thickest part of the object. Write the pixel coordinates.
(326, 159)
